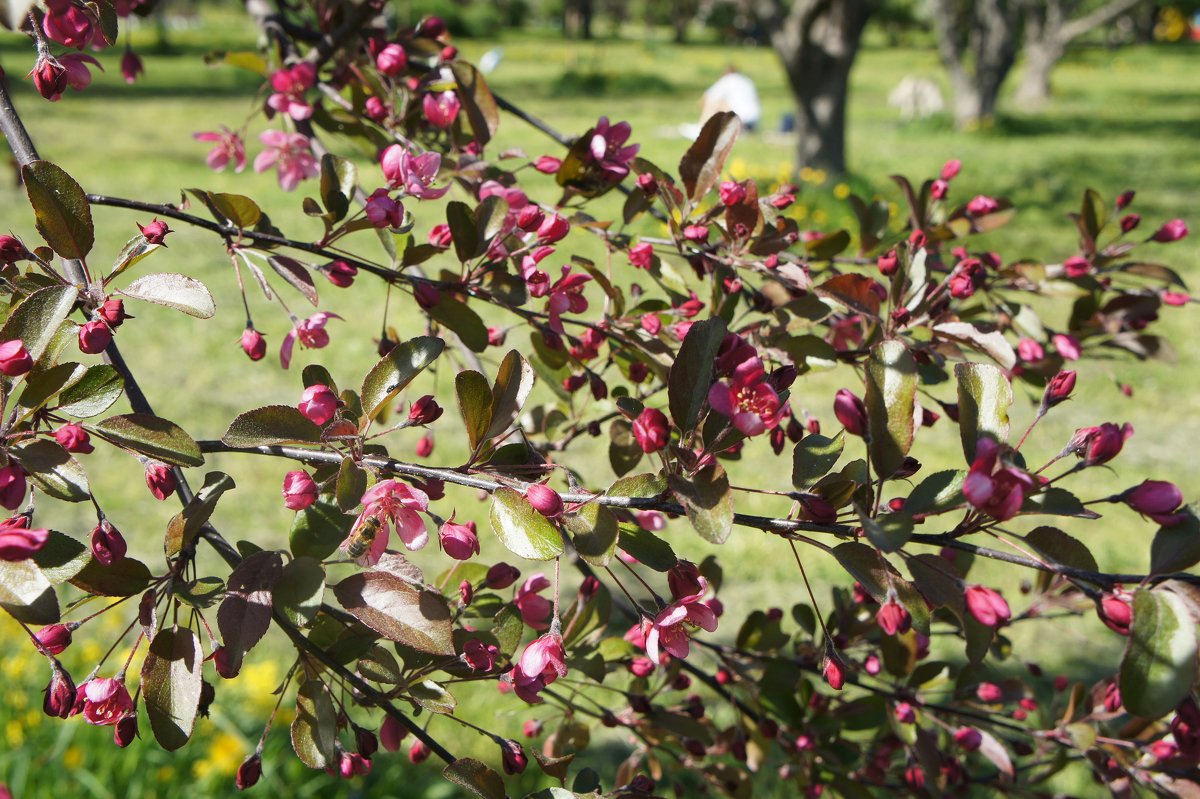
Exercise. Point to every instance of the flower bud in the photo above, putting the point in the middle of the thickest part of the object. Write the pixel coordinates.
(466, 593)
(987, 606)
(968, 738)
(113, 312)
(54, 638)
(160, 479)
(1173, 230)
(108, 545)
(155, 232)
(249, 772)
(834, 672)
(532, 728)
(547, 164)
(732, 192)
(125, 730)
(480, 656)
(299, 490)
(15, 360)
(893, 618)
(982, 205)
(424, 446)
(888, 263)
(131, 66)
(496, 336)
(553, 228)
(501, 576)
(1157, 499)
(530, 218)
(459, 541)
(951, 168)
(418, 753)
(223, 663)
(391, 60)
(1112, 697)
(60, 693)
(939, 189)
(1116, 612)
(94, 337)
(440, 236)
(318, 404)
(1130, 221)
(49, 78)
(989, 692)
(340, 273)
(851, 411)
(684, 580)
(512, 757)
(1058, 389)
(12, 250)
(545, 500)
(74, 438)
(641, 666)
(905, 713)
(641, 255)
(391, 734)
(424, 411)
(652, 430)
(427, 296)
(17, 541)
(253, 344)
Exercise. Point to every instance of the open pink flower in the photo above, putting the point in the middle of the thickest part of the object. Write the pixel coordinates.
(68, 24)
(542, 662)
(535, 609)
(290, 84)
(390, 503)
(312, 335)
(230, 147)
(671, 629)
(607, 150)
(997, 490)
(290, 154)
(413, 173)
(566, 295)
(106, 701)
(746, 398)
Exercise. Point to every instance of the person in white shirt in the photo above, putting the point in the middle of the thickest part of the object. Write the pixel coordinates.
(734, 92)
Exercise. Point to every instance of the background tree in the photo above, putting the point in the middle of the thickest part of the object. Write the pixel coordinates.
(978, 42)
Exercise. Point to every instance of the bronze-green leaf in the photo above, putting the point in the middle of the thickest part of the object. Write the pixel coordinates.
(171, 685)
(475, 404)
(594, 532)
(186, 525)
(984, 397)
(126, 577)
(708, 500)
(52, 469)
(691, 374)
(813, 457)
(152, 436)
(398, 611)
(299, 591)
(178, 292)
(339, 178)
(701, 165)
(514, 381)
(94, 394)
(245, 613)
(1159, 666)
(314, 730)
(35, 320)
(891, 392)
(272, 424)
(476, 777)
(64, 218)
(26, 593)
(525, 532)
(396, 370)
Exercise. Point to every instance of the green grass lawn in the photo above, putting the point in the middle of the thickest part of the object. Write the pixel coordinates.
(1118, 120)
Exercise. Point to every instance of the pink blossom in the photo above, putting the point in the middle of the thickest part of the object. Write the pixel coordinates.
(19, 542)
(542, 662)
(311, 332)
(1157, 499)
(996, 489)
(105, 701)
(987, 606)
(1067, 346)
(608, 152)
(390, 503)
(441, 108)
(982, 205)
(650, 520)
(746, 398)
(290, 154)
(383, 211)
(641, 255)
(68, 24)
(1097, 445)
(1030, 350)
(670, 630)
(459, 541)
(290, 84)
(566, 295)
(131, 66)
(480, 656)
(413, 173)
(230, 147)
(535, 609)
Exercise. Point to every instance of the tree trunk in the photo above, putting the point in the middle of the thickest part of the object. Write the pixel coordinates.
(985, 33)
(817, 43)
(1040, 59)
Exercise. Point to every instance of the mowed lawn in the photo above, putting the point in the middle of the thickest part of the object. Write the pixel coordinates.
(1119, 120)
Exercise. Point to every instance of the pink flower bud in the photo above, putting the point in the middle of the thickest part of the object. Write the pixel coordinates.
(94, 337)
(253, 344)
(108, 545)
(459, 541)
(989, 692)
(697, 234)
(480, 656)
(512, 757)
(125, 730)
(160, 479)
(1029, 350)
(1067, 346)
(684, 580)
(939, 189)
(530, 218)
(299, 490)
(131, 66)
(1116, 611)
(60, 693)
(418, 753)
(424, 446)
(391, 60)
(1058, 389)
(440, 236)
(834, 672)
(501, 576)
(732, 192)
(547, 164)
(249, 772)
(155, 232)
(1173, 230)
(1097, 445)
(74, 438)
(17, 541)
(1154, 498)
(553, 228)
(982, 205)
(14, 358)
(1124, 199)
(424, 411)
(1077, 266)
(545, 500)
(496, 336)
(1130, 221)
(888, 263)
(951, 168)
(987, 606)
(968, 738)
(905, 713)
(12, 250)
(391, 734)
(1112, 698)
(383, 211)
(49, 78)
(466, 592)
(318, 404)
(532, 728)
(12, 488)
(223, 663)
(893, 618)
(641, 255)
(652, 430)
(851, 411)
(113, 312)
(54, 638)
(872, 665)
(340, 273)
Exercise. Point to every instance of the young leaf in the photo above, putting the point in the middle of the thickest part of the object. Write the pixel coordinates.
(708, 500)
(700, 168)
(26, 594)
(186, 525)
(35, 320)
(398, 611)
(299, 591)
(1176, 547)
(179, 292)
(984, 397)
(245, 613)
(514, 381)
(525, 532)
(594, 532)
(64, 218)
(273, 424)
(339, 177)
(1159, 666)
(93, 394)
(318, 530)
(476, 777)
(475, 405)
(649, 550)
(152, 436)
(396, 370)
(889, 531)
(691, 374)
(460, 318)
(171, 685)
(813, 457)
(52, 469)
(314, 730)
(240, 210)
(891, 392)
(126, 577)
